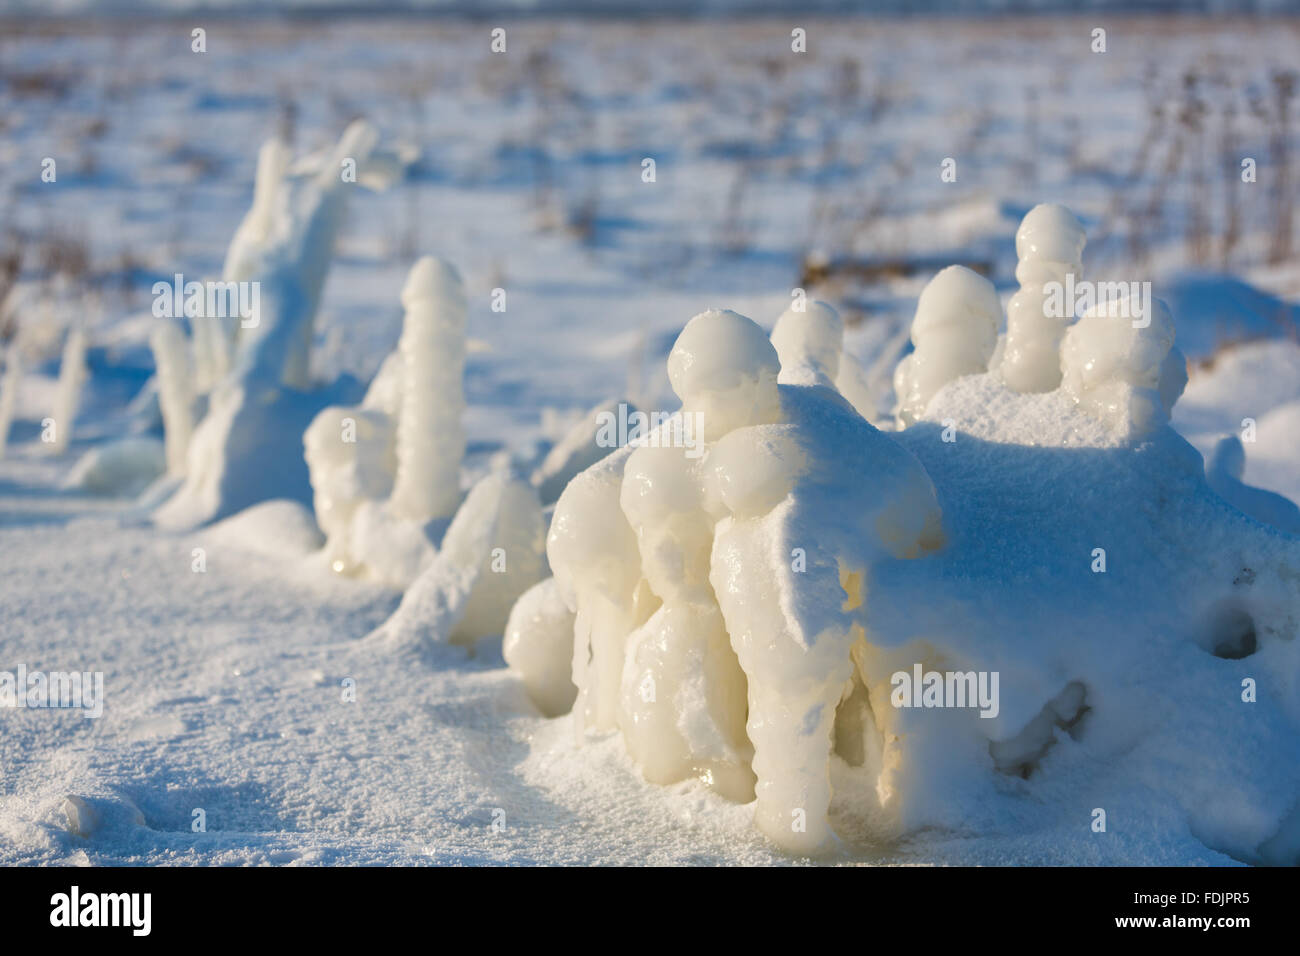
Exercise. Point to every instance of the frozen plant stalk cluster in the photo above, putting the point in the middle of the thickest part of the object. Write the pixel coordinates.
(742, 616)
(385, 477)
(233, 438)
(392, 464)
(1118, 362)
(717, 599)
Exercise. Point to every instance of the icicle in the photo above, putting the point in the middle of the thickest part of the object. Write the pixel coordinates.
(175, 393)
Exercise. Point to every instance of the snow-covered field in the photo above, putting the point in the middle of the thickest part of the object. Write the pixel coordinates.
(304, 716)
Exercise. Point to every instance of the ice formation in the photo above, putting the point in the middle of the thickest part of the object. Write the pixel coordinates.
(717, 598)
(1127, 373)
(1118, 362)
(385, 476)
(430, 436)
(255, 231)
(538, 646)
(682, 699)
(816, 505)
(810, 345)
(175, 393)
(72, 375)
(490, 555)
(245, 448)
(955, 332)
(744, 617)
(384, 469)
(1050, 245)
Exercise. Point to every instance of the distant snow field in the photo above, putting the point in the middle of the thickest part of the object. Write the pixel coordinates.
(633, 447)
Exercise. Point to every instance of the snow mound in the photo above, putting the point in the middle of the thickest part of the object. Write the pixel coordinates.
(1251, 391)
(279, 528)
(1243, 382)
(1274, 460)
(1224, 470)
(1217, 310)
(1164, 604)
(490, 555)
(123, 467)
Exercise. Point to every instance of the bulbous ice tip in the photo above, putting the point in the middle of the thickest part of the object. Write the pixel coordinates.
(432, 278)
(717, 351)
(815, 334)
(1050, 231)
(1151, 316)
(957, 296)
(359, 139)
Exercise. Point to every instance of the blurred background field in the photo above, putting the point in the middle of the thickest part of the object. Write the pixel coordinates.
(774, 169)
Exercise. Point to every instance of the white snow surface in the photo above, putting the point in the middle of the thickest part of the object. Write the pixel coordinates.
(224, 687)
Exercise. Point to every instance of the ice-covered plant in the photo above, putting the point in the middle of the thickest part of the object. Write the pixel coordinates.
(244, 450)
(954, 333)
(1050, 245)
(383, 469)
(717, 599)
(1082, 584)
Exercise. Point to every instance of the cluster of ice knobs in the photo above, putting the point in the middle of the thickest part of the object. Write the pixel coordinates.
(1116, 363)
(392, 464)
(711, 607)
(385, 477)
